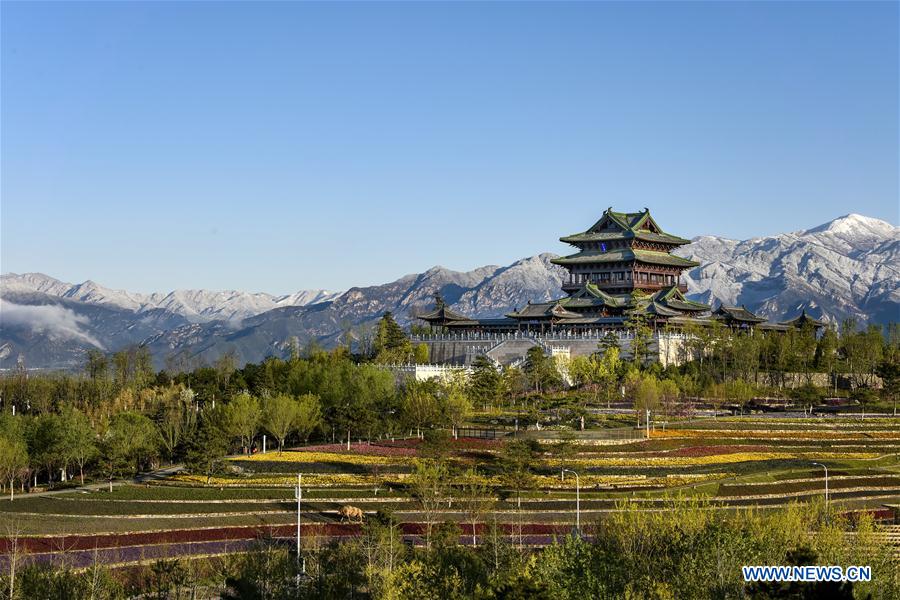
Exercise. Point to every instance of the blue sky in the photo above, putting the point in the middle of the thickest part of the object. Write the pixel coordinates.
(280, 146)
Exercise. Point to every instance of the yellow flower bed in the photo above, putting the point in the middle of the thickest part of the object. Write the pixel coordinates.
(315, 457)
(547, 481)
(717, 459)
(775, 434)
(312, 480)
(542, 481)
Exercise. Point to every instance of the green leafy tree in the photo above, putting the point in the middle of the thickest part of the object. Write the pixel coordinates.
(475, 500)
(79, 441)
(129, 443)
(309, 415)
(429, 485)
(279, 417)
(175, 418)
(13, 459)
(668, 393)
(243, 415)
(419, 404)
(455, 407)
(46, 443)
(420, 354)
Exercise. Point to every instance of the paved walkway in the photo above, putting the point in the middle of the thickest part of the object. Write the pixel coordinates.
(104, 485)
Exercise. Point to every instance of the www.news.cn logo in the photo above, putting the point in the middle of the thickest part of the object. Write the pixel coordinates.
(807, 573)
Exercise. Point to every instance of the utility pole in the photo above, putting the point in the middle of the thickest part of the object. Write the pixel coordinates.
(648, 424)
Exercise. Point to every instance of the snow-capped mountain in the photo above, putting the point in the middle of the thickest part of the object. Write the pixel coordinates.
(845, 268)
(194, 305)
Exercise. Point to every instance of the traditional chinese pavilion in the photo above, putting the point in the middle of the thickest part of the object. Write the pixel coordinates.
(624, 266)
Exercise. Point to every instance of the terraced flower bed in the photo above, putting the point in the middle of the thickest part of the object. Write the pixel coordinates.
(886, 482)
(60, 506)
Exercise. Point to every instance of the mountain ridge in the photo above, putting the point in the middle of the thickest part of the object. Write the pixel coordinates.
(845, 268)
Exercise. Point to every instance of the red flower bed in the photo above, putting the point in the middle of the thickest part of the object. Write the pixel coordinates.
(402, 447)
(377, 449)
(331, 530)
(463, 443)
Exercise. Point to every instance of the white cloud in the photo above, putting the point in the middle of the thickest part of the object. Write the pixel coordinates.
(51, 319)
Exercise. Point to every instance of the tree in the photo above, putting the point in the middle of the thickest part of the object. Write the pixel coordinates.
(279, 417)
(206, 450)
(429, 485)
(79, 439)
(518, 457)
(646, 395)
(129, 443)
(174, 418)
(485, 384)
(641, 335)
(668, 391)
(309, 415)
(540, 370)
(391, 345)
(455, 407)
(45, 442)
(384, 552)
(13, 459)
(889, 371)
(826, 354)
(475, 500)
(419, 404)
(243, 417)
(740, 392)
(807, 395)
(420, 354)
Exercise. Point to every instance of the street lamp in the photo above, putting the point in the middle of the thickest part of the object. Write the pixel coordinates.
(562, 476)
(299, 495)
(815, 464)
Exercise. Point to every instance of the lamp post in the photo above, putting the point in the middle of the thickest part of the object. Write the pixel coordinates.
(562, 476)
(299, 495)
(826, 483)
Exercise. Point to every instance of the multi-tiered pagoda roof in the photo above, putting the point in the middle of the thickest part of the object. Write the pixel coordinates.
(624, 267)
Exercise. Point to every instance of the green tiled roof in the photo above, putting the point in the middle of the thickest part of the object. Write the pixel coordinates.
(624, 255)
(737, 313)
(443, 314)
(803, 318)
(604, 236)
(543, 310)
(673, 298)
(655, 308)
(639, 225)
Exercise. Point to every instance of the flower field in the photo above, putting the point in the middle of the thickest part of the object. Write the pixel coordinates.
(741, 462)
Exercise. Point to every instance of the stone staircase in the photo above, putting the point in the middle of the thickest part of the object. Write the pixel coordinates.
(509, 351)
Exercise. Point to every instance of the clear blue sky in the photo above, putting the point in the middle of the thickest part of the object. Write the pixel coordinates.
(280, 146)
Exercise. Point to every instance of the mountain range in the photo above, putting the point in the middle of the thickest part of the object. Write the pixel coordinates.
(847, 268)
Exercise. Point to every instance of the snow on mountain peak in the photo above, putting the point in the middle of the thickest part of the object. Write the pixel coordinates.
(855, 224)
(194, 305)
